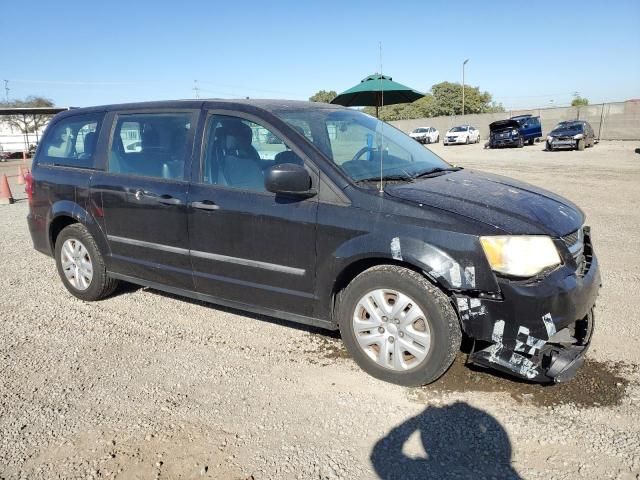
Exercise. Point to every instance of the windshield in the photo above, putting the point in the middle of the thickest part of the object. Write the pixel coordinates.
(458, 129)
(420, 130)
(357, 142)
(570, 126)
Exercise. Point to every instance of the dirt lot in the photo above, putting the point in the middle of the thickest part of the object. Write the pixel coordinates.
(147, 385)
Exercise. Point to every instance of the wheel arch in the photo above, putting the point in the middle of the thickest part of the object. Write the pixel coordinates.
(65, 213)
(357, 266)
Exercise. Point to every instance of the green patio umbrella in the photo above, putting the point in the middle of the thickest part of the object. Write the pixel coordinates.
(377, 90)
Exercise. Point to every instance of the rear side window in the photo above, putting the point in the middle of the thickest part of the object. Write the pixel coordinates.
(72, 141)
(151, 145)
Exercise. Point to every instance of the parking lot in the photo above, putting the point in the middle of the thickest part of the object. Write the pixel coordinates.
(148, 385)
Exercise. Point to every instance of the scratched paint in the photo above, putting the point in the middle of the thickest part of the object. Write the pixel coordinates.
(396, 249)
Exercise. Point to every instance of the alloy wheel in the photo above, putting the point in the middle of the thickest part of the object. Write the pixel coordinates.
(76, 264)
(391, 329)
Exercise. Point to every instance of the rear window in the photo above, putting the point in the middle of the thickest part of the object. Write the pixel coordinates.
(72, 141)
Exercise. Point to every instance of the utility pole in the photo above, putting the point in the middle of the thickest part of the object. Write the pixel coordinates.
(196, 89)
(6, 90)
(463, 64)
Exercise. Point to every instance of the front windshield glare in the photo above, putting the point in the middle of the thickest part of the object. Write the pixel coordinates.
(357, 143)
(459, 129)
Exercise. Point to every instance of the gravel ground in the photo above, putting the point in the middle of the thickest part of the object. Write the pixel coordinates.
(148, 385)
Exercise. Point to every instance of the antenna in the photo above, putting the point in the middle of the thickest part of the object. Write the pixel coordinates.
(381, 80)
(6, 90)
(196, 89)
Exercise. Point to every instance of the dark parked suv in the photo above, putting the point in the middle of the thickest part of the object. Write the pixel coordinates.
(514, 132)
(340, 224)
(573, 134)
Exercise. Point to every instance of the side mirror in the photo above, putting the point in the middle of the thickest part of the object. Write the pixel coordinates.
(288, 178)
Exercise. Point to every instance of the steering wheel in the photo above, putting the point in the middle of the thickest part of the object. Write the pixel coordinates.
(362, 151)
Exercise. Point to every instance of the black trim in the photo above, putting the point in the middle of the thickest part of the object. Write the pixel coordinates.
(315, 322)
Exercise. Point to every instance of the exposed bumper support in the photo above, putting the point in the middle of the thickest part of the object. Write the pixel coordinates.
(538, 330)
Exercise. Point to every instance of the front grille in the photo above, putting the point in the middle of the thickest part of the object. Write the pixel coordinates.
(571, 239)
(575, 243)
(579, 246)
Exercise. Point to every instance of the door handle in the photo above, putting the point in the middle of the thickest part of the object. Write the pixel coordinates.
(169, 200)
(164, 199)
(205, 205)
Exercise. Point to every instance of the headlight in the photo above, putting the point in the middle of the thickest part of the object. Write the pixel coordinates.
(520, 256)
(514, 132)
(549, 138)
(578, 136)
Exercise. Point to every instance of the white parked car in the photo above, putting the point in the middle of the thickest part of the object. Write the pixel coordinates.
(462, 134)
(426, 135)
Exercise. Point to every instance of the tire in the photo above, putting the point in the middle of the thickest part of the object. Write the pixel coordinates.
(100, 285)
(438, 139)
(467, 142)
(438, 316)
(531, 141)
(580, 144)
(520, 142)
(548, 147)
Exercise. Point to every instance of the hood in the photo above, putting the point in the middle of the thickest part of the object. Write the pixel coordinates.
(512, 206)
(503, 124)
(417, 134)
(455, 134)
(565, 132)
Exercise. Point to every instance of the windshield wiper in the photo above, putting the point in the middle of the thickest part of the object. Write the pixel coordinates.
(438, 170)
(387, 178)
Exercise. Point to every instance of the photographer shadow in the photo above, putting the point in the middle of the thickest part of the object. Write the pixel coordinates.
(459, 441)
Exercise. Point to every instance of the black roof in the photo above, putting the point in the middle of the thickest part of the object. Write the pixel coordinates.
(31, 110)
(243, 104)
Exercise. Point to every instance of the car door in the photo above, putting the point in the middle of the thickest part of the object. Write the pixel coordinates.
(143, 194)
(248, 246)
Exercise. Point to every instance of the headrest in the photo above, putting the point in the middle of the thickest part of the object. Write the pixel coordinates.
(90, 143)
(237, 129)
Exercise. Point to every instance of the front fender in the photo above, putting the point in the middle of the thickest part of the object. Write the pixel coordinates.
(453, 261)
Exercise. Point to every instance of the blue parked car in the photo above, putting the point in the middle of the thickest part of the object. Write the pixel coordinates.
(515, 131)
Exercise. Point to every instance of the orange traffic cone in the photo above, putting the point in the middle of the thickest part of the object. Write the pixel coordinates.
(5, 192)
(20, 176)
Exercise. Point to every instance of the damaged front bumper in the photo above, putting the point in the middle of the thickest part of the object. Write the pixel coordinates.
(538, 330)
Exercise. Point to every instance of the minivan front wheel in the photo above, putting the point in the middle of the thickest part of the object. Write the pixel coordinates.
(397, 326)
(80, 264)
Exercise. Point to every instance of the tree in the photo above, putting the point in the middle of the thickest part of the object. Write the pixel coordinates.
(448, 97)
(445, 99)
(27, 123)
(323, 96)
(579, 101)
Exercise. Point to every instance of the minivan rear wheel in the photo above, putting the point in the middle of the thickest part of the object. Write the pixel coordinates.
(80, 264)
(397, 326)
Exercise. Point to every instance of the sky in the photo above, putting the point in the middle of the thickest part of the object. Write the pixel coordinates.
(526, 54)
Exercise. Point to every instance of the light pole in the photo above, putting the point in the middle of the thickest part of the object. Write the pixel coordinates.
(463, 64)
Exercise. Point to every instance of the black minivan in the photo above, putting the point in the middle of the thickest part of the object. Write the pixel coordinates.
(344, 222)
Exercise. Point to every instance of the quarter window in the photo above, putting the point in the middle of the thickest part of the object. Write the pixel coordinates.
(238, 152)
(151, 145)
(72, 142)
